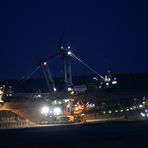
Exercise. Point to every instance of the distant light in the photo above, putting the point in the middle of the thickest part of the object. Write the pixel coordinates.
(99, 86)
(69, 52)
(66, 100)
(45, 110)
(95, 78)
(68, 47)
(104, 112)
(107, 84)
(62, 47)
(69, 89)
(39, 96)
(54, 102)
(72, 92)
(92, 105)
(134, 107)
(131, 108)
(140, 105)
(143, 102)
(146, 110)
(116, 111)
(45, 63)
(142, 114)
(54, 89)
(68, 106)
(10, 94)
(114, 82)
(127, 109)
(57, 111)
(109, 111)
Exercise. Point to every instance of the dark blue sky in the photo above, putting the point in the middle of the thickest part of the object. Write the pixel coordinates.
(105, 34)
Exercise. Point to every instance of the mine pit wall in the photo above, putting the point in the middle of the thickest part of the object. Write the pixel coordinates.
(29, 111)
(31, 114)
(9, 119)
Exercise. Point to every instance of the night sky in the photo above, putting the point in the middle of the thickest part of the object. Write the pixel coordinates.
(104, 34)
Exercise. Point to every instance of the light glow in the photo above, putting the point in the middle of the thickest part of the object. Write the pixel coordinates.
(76, 108)
(114, 82)
(69, 89)
(107, 84)
(143, 102)
(45, 63)
(45, 110)
(57, 111)
(69, 52)
(142, 114)
(140, 105)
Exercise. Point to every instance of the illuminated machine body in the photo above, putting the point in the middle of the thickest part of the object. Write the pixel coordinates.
(67, 110)
(46, 108)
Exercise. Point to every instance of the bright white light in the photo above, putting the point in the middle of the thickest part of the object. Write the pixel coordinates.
(95, 78)
(76, 108)
(69, 52)
(69, 89)
(143, 102)
(45, 63)
(107, 84)
(142, 114)
(140, 105)
(72, 92)
(146, 110)
(54, 89)
(45, 110)
(114, 82)
(68, 106)
(68, 47)
(54, 102)
(38, 96)
(66, 100)
(57, 111)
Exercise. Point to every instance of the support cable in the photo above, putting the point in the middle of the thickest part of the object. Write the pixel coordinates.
(86, 65)
(28, 75)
